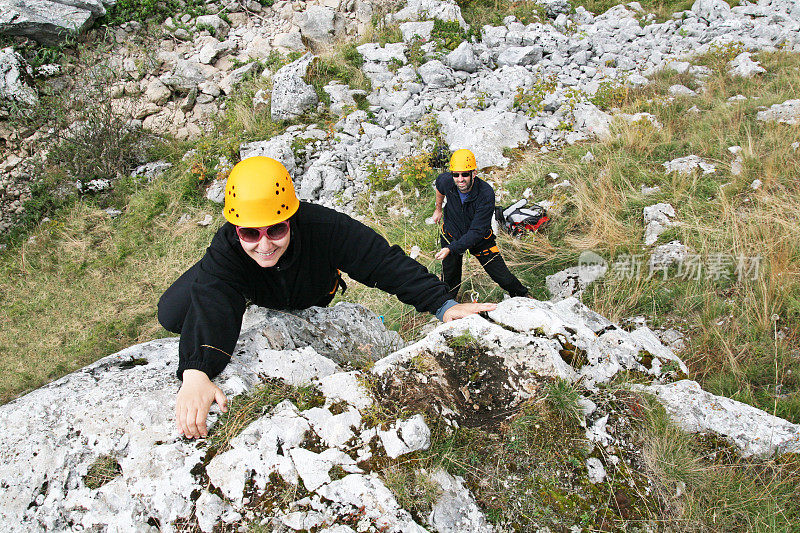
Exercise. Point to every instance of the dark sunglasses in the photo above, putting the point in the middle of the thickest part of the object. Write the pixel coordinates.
(462, 174)
(274, 232)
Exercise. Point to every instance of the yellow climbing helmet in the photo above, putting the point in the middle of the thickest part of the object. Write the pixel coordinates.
(462, 161)
(259, 193)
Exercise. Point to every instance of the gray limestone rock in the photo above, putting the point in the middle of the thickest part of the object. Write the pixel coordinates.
(322, 180)
(446, 10)
(278, 147)
(406, 436)
(15, 76)
(681, 90)
(289, 42)
(609, 349)
(318, 24)
(520, 55)
(219, 28)
(554, 8)
(657, 219)
(291, 95)
(376, 53)
(416, 30)
(640, 117)
(456, 510)
(211, 509)
(216, 191)
(352, 491)
(573, 280)
(591, 120)
(787, 113)
(186, 75)
(345, 333)
(688, 164)
(711, 10)
(118, 408)
(494, 36)
(341, 96)
(753, 431)
(212, 50)
(744, 67)
(230, 81)
(668, 254)
(157, 92)
(48, 21)
(485, 132)
(436, 75)
(150, 171)
(597, 473)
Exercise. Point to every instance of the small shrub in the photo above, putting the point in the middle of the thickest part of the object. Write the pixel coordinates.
(275, 60)
(447, 34)
(415, 53)
(609, 94)
(146, 10)
(352, 55)
(206, 27)
(378, 176)
(719, 55)
(416, 170)
(531, 101)
(93, 137)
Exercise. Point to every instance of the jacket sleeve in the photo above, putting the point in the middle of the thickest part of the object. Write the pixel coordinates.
(480, 227)
(440, 183)
(369, 259)
(214, 316)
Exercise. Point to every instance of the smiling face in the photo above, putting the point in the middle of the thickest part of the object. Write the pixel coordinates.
(266, 252)
(463, 180)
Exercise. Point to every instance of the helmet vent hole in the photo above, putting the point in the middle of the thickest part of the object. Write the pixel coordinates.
(277, 192)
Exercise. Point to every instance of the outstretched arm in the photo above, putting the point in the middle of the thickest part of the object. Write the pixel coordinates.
(462, 310)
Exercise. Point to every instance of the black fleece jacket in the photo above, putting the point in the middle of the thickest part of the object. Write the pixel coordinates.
(470, 223)
(322, 241)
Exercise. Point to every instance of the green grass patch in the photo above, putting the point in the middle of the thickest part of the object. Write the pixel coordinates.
(342, 64)
(708, 487)
(247, 408)
(150, 11)
(478, 13)
(532, 472)
(104, 469)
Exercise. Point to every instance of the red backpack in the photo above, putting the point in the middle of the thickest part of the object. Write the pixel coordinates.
(518, 219)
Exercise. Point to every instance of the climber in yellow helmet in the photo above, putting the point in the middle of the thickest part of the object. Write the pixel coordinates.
(280, 253)
(467, 225)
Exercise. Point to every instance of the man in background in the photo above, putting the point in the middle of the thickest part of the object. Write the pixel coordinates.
(468, 225)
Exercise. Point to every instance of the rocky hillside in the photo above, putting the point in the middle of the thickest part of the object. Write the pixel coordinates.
(97, 449)
(541, 416)
(488, 89)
